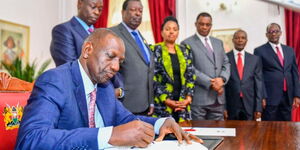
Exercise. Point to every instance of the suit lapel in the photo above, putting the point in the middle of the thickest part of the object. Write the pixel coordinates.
(103, 99)
(132, 42)
(203, 48)
(270, 51)
(286, 57)
(80, 30)
(233, 64)
(79, 91)
(246, 65)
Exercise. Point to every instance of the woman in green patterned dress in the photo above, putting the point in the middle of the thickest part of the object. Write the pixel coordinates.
(174, 75)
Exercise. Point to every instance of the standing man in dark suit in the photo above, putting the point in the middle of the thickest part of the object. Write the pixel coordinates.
(212, 69)
(137, 68)
(68, 37)
(280, 74)
(244, 88)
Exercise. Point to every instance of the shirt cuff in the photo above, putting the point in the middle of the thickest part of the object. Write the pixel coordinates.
(151, 105)
(158, 124)
(104, 135)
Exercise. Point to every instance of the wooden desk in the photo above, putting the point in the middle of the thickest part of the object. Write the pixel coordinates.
(252, 135)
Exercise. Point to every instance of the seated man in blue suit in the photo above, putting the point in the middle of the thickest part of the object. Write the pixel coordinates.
(73, 106)
(68, 37)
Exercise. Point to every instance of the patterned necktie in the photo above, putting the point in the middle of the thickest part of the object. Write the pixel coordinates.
(281, 60)
(240, 68)
(90, 30)
(140, 45)
(209, 50)
(92, 109)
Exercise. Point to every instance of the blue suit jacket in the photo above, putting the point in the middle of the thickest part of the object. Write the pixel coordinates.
(67, 39)
(274, 73)
(56, 116)
(66, 45)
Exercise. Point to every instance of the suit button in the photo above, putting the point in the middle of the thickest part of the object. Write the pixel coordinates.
(216, 68)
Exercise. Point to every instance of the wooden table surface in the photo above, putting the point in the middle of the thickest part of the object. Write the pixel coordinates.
(252, 135)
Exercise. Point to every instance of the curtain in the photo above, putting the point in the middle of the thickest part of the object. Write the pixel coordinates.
(292, 23)
(159, 9)
(102, 21)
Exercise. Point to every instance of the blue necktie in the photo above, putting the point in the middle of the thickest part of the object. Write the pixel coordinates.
(141, 46)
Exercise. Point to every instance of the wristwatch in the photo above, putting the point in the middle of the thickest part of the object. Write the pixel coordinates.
(121, 93)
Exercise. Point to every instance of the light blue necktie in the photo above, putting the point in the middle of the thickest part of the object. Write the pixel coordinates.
(141, 46)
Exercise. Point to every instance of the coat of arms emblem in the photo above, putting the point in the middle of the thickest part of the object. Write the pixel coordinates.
(12, 116)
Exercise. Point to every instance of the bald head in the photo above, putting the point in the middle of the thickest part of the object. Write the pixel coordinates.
(102, 53)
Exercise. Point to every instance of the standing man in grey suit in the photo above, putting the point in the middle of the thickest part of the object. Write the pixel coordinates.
(212, 69)
(244, 88)
(137, 68)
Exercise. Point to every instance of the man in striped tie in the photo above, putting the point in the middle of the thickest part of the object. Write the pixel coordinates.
(73, 106)
(280, 74)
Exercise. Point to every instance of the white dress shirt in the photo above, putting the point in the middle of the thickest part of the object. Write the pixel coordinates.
(279, 47)
(202, 38)
(235, 52)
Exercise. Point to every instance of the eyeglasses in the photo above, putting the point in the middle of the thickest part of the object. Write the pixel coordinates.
(274, 31)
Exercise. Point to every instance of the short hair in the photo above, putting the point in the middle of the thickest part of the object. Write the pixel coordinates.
(167, 19)
(125, 3)
(272, 24)
(203, 14)
(238, 31)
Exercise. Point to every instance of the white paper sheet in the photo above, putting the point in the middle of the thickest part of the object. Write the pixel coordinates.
(166, 145)
(211, 131)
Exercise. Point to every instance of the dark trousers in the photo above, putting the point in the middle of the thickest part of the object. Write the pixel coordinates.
(241, 113)
(281, 112)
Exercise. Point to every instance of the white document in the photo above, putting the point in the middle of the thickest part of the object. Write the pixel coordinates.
(166, 145)
(211, 131)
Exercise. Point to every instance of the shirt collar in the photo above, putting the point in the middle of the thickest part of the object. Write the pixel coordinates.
(83, 24)
(129, 29)
(87, 83)
(202, 38)
(235, 52)
(274, 45)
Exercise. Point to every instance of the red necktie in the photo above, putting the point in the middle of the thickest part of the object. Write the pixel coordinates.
(240, 68)
(92, 109)
(281, 60)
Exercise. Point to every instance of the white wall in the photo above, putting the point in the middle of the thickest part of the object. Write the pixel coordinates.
(251, 15)
(41, 16)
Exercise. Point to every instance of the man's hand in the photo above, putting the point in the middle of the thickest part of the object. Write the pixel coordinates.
(225, 114)
(4, 79)
(151, 110)
(264, 103)
(217, 84)
(135, 133)
(257, 115)
(296, 102)
(220, 91)
(170, 126)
